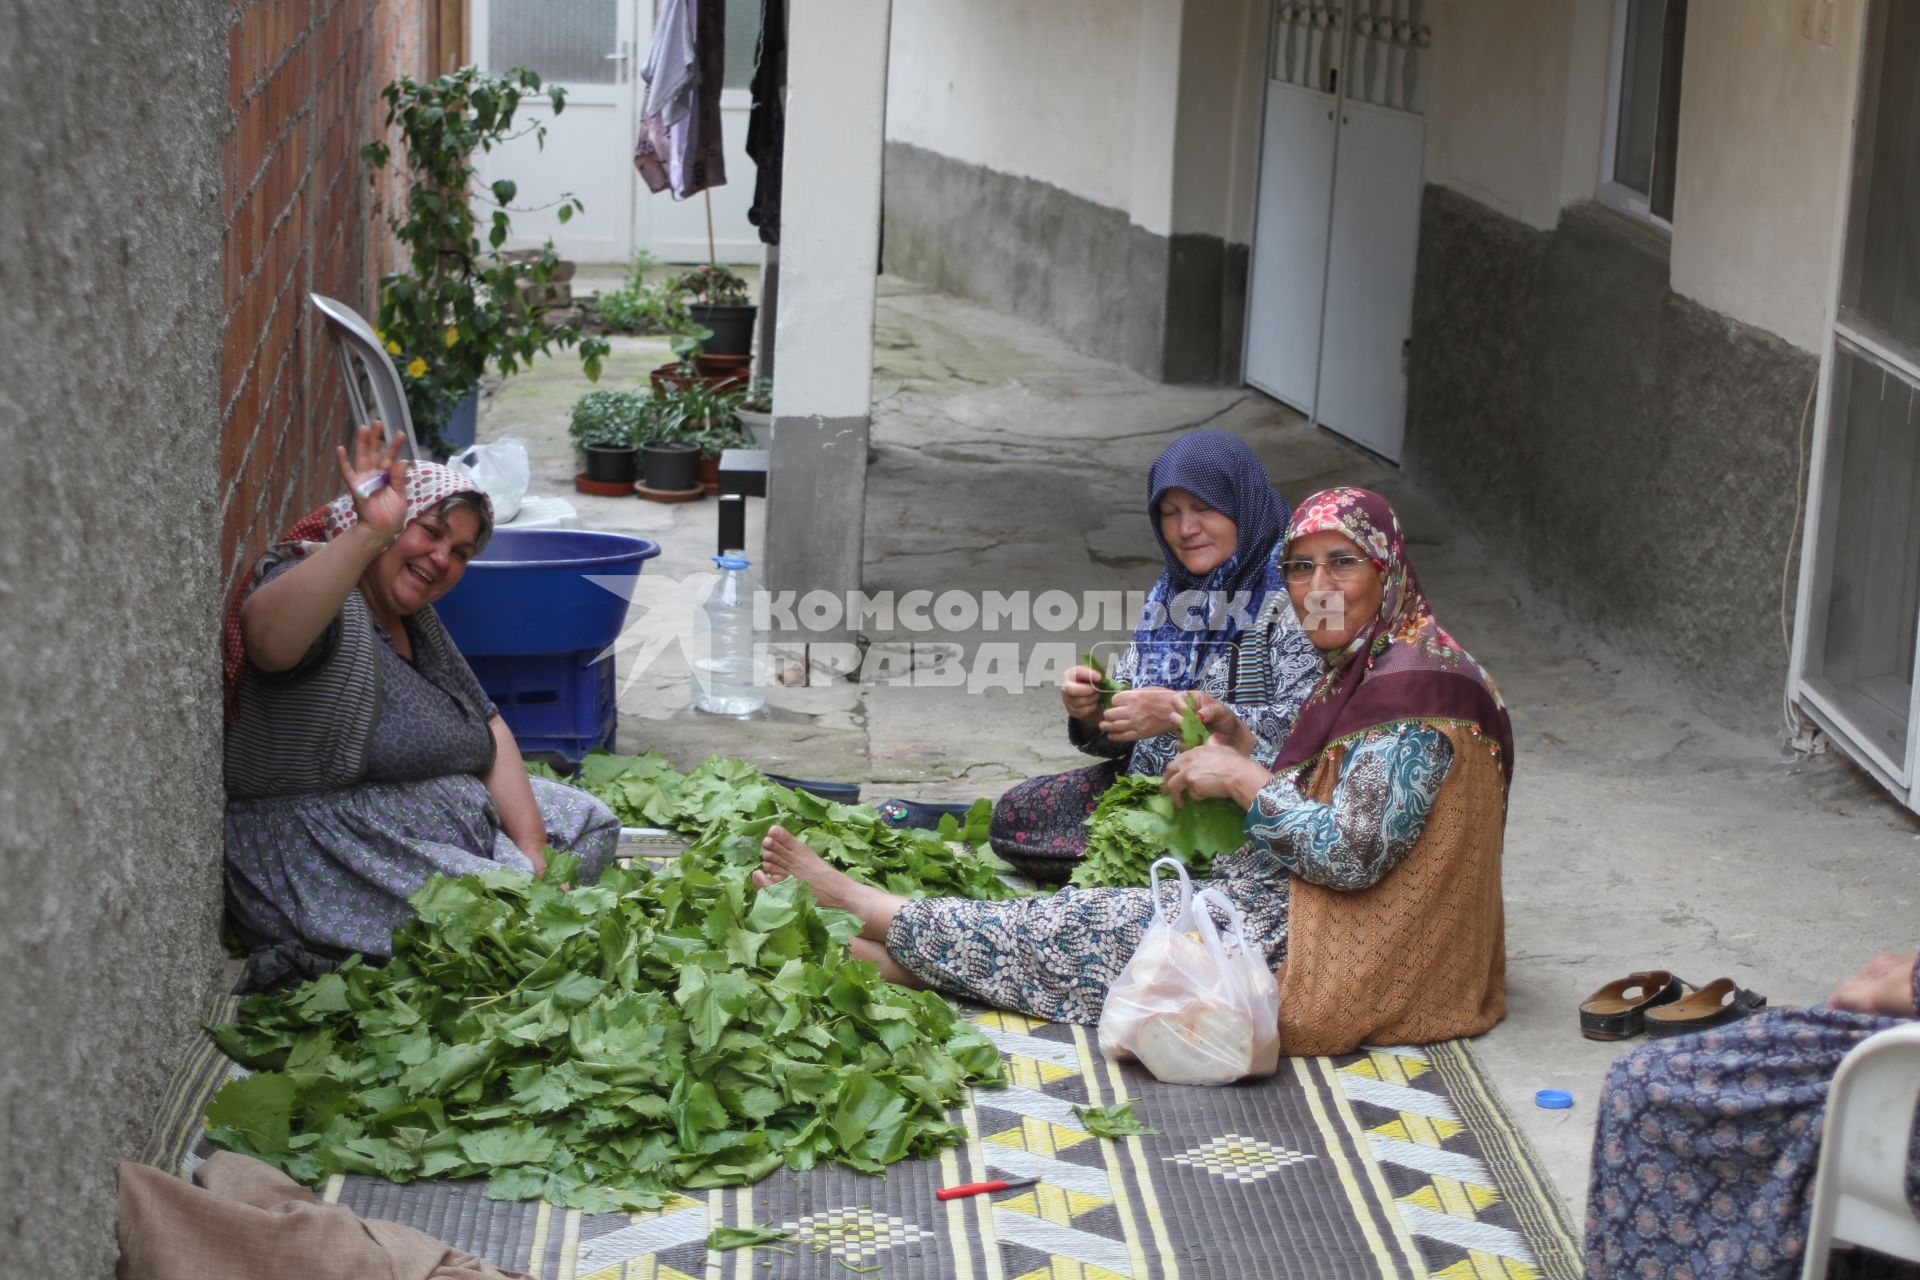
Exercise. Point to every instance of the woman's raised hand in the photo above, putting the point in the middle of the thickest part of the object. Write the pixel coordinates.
(1080, 693)
(1142, 713)
(1227, 728)
(384, 511)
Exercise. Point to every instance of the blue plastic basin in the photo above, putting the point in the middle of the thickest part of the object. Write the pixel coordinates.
(530, 591)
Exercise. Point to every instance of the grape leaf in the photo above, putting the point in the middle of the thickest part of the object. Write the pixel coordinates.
(1116, 1121)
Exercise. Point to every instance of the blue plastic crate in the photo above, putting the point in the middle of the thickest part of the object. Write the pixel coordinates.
(561, 703)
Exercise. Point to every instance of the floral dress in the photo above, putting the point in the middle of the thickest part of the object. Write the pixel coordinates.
(332, 870)
(1055, 956)
(1706, 1144)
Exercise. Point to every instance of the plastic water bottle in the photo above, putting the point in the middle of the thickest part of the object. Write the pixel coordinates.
(724, 681)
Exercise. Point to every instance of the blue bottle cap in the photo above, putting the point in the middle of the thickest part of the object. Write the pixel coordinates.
(1553, 1099)
(732, 562)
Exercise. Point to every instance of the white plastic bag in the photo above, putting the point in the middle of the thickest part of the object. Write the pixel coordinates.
(1195, 1007)
(501, 468)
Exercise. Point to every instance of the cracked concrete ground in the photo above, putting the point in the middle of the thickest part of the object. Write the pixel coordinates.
(1640, 833)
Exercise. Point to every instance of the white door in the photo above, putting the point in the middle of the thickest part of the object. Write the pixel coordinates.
(586, 45)
(596, 49)
(1330, 301)
(1369, 305)
(1290, 243)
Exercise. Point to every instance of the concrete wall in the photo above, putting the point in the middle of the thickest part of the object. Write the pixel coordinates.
(1087, 164)
(1518, 117)
(1764, 145)
(164, 410)
(109, 526)
(1622, 443)
(1496, 120)
(1040, 89)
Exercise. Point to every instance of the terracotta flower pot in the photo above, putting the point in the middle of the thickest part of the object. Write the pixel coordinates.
(709, 472)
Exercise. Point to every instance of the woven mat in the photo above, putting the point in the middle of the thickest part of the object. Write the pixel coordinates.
(1392, 1162)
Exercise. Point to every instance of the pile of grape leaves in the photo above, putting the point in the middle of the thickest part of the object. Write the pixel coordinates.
(1136, 822)
(723, 799)
(604, 1045)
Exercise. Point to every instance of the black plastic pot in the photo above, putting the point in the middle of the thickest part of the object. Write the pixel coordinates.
(732, 327)
(613, 463)
(672, 465)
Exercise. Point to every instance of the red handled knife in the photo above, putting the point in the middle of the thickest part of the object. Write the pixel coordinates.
(981, 1188)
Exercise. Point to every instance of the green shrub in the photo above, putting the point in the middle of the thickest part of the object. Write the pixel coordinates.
(608, 417)
(640, 307)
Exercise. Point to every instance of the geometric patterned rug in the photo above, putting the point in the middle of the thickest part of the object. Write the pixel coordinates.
(1387, 1164)
(1391, 1162)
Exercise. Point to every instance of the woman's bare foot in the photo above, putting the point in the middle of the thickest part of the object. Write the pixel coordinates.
(783, 855)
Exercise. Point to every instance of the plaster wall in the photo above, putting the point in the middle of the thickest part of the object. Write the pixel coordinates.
(1497, 117)
(1765, 115)
(110, 226)
(1039, 89)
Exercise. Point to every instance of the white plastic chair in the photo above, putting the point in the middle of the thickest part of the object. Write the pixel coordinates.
(1860, 1190)
(359, 351)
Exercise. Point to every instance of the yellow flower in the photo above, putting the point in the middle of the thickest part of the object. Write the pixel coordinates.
(393, 348)
(417, 368)
(451, 336)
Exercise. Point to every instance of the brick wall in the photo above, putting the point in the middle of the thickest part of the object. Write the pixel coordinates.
(304, 81)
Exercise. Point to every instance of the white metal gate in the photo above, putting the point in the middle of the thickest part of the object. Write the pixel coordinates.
(596, 49)
(1858, 620)
(1330, 301)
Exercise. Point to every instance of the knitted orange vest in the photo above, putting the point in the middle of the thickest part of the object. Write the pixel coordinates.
(1420, 956)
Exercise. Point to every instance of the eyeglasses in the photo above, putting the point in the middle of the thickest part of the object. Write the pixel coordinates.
(1339, 568)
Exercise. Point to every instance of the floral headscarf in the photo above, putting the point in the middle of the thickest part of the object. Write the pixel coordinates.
(1220, 470)
(428, 485)
(1402, 665)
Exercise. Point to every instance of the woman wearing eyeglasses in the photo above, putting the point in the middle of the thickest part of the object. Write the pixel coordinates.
(1371, 872)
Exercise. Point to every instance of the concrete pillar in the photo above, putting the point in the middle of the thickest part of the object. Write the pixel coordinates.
(829, 256)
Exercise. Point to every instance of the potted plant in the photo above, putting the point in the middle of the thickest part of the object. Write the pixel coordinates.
(670, 464)
(717, 298)
(707, 418)
(454, 309)
(691, 363)
(606, 427)
(756, 412)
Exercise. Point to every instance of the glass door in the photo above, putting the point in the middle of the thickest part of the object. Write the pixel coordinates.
(1859, 615)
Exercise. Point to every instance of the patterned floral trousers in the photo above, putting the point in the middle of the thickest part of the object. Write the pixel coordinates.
(1055, 956)
(1704, 1154)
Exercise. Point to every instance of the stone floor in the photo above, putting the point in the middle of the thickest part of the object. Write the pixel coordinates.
(1640, 833)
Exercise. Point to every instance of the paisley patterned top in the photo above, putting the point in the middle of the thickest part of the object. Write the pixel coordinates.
(1292, 666)
(1380, 805)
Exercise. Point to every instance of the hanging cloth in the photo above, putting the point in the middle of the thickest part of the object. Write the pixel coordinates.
(767, 123)
(679, 147)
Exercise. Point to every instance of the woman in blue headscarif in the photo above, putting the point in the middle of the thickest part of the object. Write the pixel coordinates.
(1217, 623)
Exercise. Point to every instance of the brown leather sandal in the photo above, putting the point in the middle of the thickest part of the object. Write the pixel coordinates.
(1618, 1010)
(1714, 1005)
